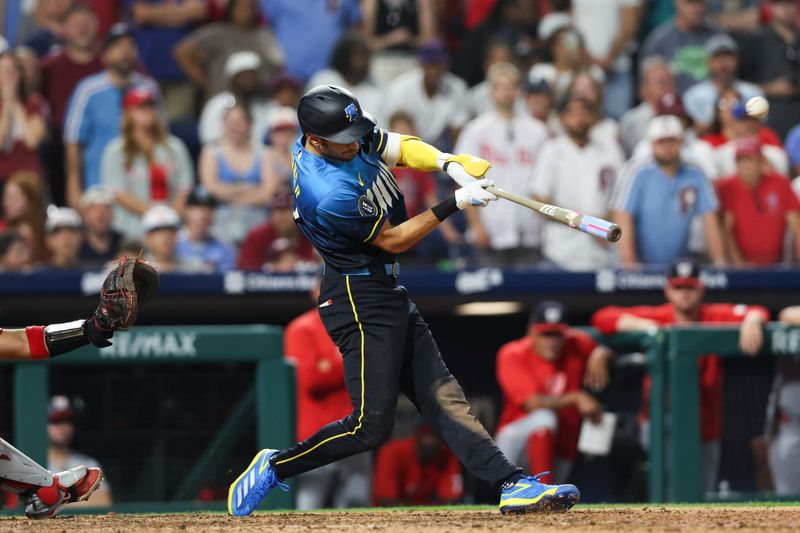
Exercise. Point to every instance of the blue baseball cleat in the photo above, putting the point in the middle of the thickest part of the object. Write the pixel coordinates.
(253, 485)
(529, 495)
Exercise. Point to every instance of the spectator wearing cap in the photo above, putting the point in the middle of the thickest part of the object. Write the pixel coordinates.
(61, 413)
(50, 20)
(24, 211)
(94, 112)
(64, 238)
(309, 29)
(161, 224)
(78, 58)
(196, 248)
(758, 206)
(542, 377)
(511, 141)
(100, 241)
(479, 96)
(610, 29)
(684, 293)
(773, 58)
(283, 130)
(277, 245)
(15, 254)
(285, 90)
(393, 31)
(655, 81)
(350, 68)
(233, 171)
(203, 53)
(572, 169)
(436, 98)
(732, 123)
(244, 88)
(416, 470)
(22, 120)
(145, 165)
(158, 25)
(681, 41)
(656, 206)
(568, 57)
(723, 65)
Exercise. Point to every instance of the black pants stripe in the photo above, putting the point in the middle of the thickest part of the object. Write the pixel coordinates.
(387, 348)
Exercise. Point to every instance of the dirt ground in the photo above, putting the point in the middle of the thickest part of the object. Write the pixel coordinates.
(580, 519)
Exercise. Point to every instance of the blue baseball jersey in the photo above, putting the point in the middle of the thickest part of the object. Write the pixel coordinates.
(341, 206)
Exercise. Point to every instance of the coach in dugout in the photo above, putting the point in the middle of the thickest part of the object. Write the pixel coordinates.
(321, 398)
(541, 376)
(684, 293)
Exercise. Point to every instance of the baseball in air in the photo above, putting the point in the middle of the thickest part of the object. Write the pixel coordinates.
(757, 106)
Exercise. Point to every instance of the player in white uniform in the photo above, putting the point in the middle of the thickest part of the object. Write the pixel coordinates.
(511, 140)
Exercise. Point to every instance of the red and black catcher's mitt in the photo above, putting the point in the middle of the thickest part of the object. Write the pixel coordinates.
(126, 288)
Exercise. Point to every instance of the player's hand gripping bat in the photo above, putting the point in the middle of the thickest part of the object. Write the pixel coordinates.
(585, 223)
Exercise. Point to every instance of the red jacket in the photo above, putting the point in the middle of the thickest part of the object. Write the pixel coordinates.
(523, 373)
(606, 319)
(400, 476)
(321, 393)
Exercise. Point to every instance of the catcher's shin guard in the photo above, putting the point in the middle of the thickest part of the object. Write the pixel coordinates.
(18, 472)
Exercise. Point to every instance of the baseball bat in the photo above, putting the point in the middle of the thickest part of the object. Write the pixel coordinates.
(585, 223)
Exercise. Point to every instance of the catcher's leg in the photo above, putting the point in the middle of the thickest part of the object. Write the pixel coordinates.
(19, 471)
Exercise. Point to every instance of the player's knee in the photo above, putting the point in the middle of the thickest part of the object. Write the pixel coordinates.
(377, 428)
(543, 419)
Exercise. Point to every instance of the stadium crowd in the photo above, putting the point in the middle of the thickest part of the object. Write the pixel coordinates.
(168, 125)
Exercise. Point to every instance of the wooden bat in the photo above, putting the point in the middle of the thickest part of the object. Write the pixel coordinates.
(585, 223)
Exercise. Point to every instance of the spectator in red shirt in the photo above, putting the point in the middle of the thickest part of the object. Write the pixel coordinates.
(417, 470)
(22, 123)
(276, 245)
(541, 376)
(684, 293)
(323, 398)
(757, 205)
(61, 72)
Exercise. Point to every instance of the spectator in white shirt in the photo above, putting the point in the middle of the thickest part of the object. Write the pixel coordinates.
(576, 172)
(435, 97)
(510, 140)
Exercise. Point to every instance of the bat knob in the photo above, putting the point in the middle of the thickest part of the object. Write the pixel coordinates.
(614, 233)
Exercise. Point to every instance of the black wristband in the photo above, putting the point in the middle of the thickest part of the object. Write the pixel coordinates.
(445, 208)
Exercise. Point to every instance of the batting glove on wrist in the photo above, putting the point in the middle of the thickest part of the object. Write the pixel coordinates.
(463, 168)
(475, 194)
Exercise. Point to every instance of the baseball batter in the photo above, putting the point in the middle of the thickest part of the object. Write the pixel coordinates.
(126, 287)
(349, 206)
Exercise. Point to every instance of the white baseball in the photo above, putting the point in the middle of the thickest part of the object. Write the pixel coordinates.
(757, 106)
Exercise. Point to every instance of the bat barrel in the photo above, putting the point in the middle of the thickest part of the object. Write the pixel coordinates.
(600, 228)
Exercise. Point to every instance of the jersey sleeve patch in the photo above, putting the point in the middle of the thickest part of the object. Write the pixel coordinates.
(366, 207)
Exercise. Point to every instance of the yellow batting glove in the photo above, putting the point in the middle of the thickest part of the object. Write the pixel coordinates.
(464, 168)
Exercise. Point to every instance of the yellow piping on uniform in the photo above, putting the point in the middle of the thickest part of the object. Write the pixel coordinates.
(361, 415)
(371, 233)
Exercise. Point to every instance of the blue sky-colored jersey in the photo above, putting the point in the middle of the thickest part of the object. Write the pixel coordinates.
(341, 206)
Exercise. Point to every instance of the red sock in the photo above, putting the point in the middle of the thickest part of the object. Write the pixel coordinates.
(540, 453)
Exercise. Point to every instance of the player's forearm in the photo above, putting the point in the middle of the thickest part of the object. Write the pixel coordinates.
(790, 315)
(14, 344)
(398, 239)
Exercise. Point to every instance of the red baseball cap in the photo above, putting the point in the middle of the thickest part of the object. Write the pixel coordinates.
(748, 147)
(138, 96)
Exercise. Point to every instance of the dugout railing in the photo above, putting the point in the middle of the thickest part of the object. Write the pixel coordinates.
(270, 397)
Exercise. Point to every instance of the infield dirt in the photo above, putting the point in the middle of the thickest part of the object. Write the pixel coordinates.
(579, 519)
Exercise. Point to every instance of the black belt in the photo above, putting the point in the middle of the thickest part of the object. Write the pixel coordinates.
(389, 269)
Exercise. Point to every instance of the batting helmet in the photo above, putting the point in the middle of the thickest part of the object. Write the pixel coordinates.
(334, 114)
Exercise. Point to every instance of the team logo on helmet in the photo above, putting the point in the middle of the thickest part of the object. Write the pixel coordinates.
(351, 112)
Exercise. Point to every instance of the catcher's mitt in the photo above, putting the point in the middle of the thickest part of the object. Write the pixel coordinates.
(127, 287)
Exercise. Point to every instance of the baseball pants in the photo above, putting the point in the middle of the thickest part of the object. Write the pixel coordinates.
(387, 349)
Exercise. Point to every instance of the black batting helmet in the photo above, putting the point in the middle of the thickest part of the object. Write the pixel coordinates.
(334, 114)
